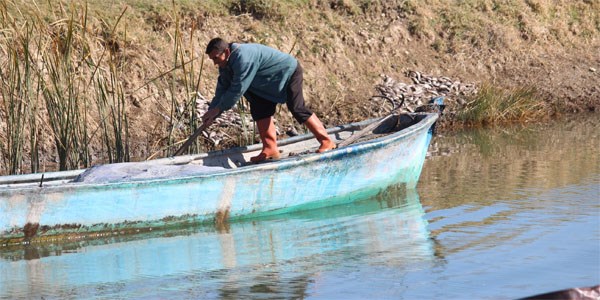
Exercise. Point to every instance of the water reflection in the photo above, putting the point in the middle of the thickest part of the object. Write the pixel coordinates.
(275, 257)
(516, 207)
(483, 166)
(476, 179)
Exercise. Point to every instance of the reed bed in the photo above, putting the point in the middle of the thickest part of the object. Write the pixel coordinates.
(63, 84)
(492, 105)
(13, 92)
(19, 103)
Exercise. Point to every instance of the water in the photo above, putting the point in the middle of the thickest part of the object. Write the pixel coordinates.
(498, 214)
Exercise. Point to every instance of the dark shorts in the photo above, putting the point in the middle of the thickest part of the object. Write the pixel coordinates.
(261, 108)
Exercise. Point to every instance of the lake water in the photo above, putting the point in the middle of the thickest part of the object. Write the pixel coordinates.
(498, 214)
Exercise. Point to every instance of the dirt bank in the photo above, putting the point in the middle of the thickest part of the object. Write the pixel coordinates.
(346, 48)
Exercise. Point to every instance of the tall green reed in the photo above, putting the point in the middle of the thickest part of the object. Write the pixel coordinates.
(111, 101)
(15, 110)
(51, 76)
(114, 122)
(34, 94)
(64, 96)
(19, 95)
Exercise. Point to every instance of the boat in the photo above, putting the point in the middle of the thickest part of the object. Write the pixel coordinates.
(219, 186)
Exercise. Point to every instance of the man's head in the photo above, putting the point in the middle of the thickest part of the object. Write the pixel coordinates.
(218, 51)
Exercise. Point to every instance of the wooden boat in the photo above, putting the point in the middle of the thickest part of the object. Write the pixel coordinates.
(219, 186)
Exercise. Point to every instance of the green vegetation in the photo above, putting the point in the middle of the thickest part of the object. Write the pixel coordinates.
(492, 105)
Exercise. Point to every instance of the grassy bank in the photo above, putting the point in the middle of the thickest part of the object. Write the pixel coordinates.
(110, 81)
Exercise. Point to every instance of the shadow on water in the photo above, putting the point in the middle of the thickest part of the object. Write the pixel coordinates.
(275, 256)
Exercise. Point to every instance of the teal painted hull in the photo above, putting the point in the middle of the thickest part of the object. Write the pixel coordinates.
(299, 182)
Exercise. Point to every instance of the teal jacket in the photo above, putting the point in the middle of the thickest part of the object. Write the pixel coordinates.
(259, 69)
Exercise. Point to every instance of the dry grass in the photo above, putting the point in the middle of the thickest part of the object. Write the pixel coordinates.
(492, 105)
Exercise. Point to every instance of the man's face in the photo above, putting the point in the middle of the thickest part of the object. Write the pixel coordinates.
(219, 57)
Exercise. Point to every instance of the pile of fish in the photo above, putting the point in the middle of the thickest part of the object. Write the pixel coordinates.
(410, 96)
(228, 120)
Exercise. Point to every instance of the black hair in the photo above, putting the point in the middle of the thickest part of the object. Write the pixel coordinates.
(218, 44)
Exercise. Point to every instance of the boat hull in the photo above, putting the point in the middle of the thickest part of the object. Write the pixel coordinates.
(302, 182)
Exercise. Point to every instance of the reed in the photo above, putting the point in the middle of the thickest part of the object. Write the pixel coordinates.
(191, 85)
(19, 95)
(110, 99)
(114, 123)
(51, 76)
(64, 95)
(492, 105)
(12, 77)
(184, 65)
(183, 119)
(171, 86)
(33, 101)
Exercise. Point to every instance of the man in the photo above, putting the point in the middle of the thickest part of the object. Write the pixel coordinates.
(266, 77)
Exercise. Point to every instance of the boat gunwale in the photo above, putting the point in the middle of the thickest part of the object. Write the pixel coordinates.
(285, 163)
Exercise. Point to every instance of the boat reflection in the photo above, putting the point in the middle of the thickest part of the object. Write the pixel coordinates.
(276, 255)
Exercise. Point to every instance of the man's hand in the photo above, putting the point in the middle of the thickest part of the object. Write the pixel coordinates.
(210, 116)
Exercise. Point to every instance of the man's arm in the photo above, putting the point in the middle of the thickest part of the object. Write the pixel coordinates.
(210, 115)
(244, 69)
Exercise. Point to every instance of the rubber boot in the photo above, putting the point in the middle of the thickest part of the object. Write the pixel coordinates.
(316, 127)
(268, 136)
